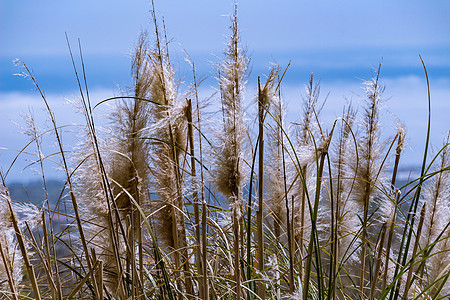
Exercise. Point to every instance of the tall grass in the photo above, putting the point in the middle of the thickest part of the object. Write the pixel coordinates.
(157, 203)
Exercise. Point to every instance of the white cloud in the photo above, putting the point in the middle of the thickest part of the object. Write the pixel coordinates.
(405, 100)
(15, 105)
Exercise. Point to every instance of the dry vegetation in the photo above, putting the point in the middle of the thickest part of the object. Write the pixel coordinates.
(293, 211)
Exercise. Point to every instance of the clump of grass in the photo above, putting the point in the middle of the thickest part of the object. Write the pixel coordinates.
(325, 223)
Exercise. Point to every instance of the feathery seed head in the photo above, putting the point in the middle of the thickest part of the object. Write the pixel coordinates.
(401, 131)
(309, 122)
(268, 93)
(232, 80)
(436, 194)
(25, 213)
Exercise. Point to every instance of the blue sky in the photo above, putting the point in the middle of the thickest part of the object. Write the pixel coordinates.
(340, 41)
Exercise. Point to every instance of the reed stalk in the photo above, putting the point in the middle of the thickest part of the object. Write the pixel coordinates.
(288, 224)
(370, 160)
(204, 231)
(260, 216)
(33, 133)
(229, 161)
(7, 269)
(313, 246)
(414, 252)
(304, 177)
(343, 180)
(65, 166)
(47, 268)
(408, 230)
(21, 242)
(390, 238)
(195, 200)
(376, 272)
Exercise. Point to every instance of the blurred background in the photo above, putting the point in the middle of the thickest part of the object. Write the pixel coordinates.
(341, 42)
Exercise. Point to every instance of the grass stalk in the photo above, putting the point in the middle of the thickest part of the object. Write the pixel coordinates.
(414, 253)
(45, 261)
(205, 282)
(370, 158)
(408, 230)
(313, 247)
(82, 282)
(65, 166)
(195, 199)
(21, 242)
(260, 216)
(390, 238)
(6, 264)
(33, 133)
(47, 250)
(374, 279)
(288, 226)
(249, 226)
(100, 279)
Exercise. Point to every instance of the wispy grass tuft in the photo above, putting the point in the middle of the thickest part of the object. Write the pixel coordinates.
(153, 204)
